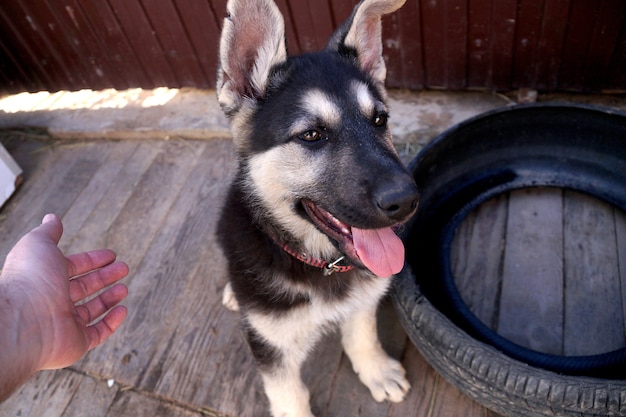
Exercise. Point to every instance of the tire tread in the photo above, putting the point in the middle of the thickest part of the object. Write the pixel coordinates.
(491, 378)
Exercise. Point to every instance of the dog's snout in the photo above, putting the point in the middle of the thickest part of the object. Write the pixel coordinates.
(399, 201)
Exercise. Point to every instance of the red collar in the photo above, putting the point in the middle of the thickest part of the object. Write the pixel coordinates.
(328, 267)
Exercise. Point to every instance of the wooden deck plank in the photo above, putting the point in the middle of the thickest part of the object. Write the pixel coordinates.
(193, 276)
(114, 155)
(140, 217)
(476, 258)
(135, 404)
(133, 224)
(92, 233)
(533, 271)
(320, 373)
(594, 321)
(47, 393)
(62, 196)
(92, 398)
(592, 235)
(66, 393)
(232, 385)
(218, 371)
(41, 188)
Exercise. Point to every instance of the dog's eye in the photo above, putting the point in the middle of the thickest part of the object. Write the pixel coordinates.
(312, 136)
(380, 119)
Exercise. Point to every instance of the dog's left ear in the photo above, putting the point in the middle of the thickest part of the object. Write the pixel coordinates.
(361, 36)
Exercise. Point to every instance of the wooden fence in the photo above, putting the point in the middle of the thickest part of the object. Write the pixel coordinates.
(549, 45)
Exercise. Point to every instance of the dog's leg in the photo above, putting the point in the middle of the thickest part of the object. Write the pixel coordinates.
(228, 298)
(279, 352)
(384, 376)
(287, 394)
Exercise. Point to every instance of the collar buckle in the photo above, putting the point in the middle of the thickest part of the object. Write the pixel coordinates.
(333, 267)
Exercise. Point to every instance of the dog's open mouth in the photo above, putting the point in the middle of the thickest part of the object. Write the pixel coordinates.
(379, 250)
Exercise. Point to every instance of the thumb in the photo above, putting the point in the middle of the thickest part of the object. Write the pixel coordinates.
(33, 247)
(51, 226)
(50, 217)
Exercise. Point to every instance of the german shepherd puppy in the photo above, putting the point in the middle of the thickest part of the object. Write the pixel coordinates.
(308, 225)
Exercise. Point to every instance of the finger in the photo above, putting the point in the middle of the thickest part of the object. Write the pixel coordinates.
(89, 284)
(100, 331)
(99, 305)
(81, 263)
(51, 227)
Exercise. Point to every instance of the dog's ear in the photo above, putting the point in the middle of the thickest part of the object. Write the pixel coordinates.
(361, 36)
(252, 42)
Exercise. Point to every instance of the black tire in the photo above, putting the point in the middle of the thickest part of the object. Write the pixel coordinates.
(493, 379)
(574, 147)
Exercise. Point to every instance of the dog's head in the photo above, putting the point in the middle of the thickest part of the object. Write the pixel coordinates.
(311, 132)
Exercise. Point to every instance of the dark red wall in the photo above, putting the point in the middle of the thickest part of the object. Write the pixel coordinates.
(549, 45)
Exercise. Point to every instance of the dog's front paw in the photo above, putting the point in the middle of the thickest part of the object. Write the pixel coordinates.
(228, 298)
(287, 394)
(385, 378)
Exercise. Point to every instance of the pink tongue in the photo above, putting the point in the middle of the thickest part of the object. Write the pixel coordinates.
(380, 250)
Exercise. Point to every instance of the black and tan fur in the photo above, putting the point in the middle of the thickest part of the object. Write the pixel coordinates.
(309, 129)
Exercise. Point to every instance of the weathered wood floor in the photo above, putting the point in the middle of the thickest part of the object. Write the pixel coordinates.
(179, 353)
(558, 285)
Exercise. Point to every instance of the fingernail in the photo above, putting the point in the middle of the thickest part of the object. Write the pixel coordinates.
(47, 218)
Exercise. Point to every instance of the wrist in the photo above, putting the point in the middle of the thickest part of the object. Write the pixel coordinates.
(21, 333)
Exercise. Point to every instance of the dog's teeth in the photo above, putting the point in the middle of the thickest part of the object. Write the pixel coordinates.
(339, 225)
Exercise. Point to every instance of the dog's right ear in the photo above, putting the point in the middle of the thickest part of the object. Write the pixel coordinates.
(361, 36)
(252, 42)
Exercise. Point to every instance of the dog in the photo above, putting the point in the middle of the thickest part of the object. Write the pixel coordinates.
(308, 223)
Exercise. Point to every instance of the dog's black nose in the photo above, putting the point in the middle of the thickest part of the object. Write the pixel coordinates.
(398, 200)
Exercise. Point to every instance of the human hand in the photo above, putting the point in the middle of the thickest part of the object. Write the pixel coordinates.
(46, 313)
